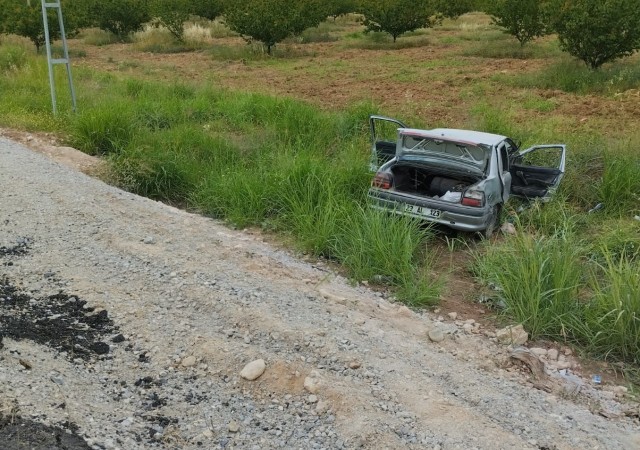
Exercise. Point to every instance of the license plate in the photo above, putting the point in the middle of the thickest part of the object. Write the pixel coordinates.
(422, 211)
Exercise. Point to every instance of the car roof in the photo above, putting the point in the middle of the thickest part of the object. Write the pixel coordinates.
(462, 136)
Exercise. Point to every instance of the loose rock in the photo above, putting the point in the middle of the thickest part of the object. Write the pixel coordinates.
(234, 427)
(189, 361)
(552, 354)
(436, 335)
(253, 370)
(313, 382)
(512, 335)
(355, 365)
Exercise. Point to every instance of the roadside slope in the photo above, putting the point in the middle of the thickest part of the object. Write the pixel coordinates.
(177, 286)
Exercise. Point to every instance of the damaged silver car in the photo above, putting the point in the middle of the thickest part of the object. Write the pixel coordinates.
(458, 178)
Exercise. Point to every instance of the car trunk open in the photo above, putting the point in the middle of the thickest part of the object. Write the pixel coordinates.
(429, 182)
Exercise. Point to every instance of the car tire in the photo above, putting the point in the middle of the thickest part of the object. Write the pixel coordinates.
(493, 223)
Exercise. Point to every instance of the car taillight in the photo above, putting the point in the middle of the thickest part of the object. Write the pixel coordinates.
(473, 198)
(382, 180)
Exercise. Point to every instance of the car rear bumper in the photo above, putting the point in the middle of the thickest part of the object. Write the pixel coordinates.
(453, 215)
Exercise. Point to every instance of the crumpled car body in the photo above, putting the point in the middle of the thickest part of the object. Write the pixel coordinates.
(457, 178)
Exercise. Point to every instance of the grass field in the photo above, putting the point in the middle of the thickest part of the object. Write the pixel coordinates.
(281, 142)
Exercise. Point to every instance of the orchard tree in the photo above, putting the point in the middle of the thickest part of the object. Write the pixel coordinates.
(120, 17)
(336, 8)
(397, 17)
(523, 19)
(209, 9)
(172, 14)
(24, 18)
(597, 31)
(453, 9)
(271, 21)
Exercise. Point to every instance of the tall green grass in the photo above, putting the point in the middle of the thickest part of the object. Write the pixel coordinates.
(559, 288)
(12, 57)
(612, 317)
(376, 246)
(539, 278)
(619, 187)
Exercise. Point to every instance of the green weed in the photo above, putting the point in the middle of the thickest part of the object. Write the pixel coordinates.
(98, 37)
(383, 41)
(539, 279)
(619, 188)
(376, 246)
(614, 239)
(573, 76)
(105, 129)
(550, 218)
(12, 57)
(612, 318)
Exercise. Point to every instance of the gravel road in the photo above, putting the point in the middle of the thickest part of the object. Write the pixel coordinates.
(125, 324)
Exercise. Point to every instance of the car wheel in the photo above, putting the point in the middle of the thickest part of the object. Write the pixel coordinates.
(493, 223)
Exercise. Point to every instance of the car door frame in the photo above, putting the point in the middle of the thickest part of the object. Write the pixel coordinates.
(375, 162)
(504, 173)
(561, 167)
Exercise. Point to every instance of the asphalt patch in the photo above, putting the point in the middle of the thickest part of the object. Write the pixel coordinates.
(61, 321)
(19, 249)
(17, 433)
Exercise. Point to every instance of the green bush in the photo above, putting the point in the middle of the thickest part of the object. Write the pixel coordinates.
(396, 17)
(120, 17)
(271, 21)
(523, 19)
(172, 14)
(208, 9)
(25, 19)
(453, 9)
(596, 31)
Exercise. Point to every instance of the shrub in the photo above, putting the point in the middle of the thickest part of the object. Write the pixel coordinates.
(453, 9)
(25, 19)
(597, 31)
(172, 14)
(209, 9)
(396, 17)
(120, 17)
(524, 19)
(336, 8)
(271, 21)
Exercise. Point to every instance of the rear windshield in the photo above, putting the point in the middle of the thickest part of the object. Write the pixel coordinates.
(426, 145)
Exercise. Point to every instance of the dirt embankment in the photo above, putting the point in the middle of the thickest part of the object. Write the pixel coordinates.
(126, 324)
